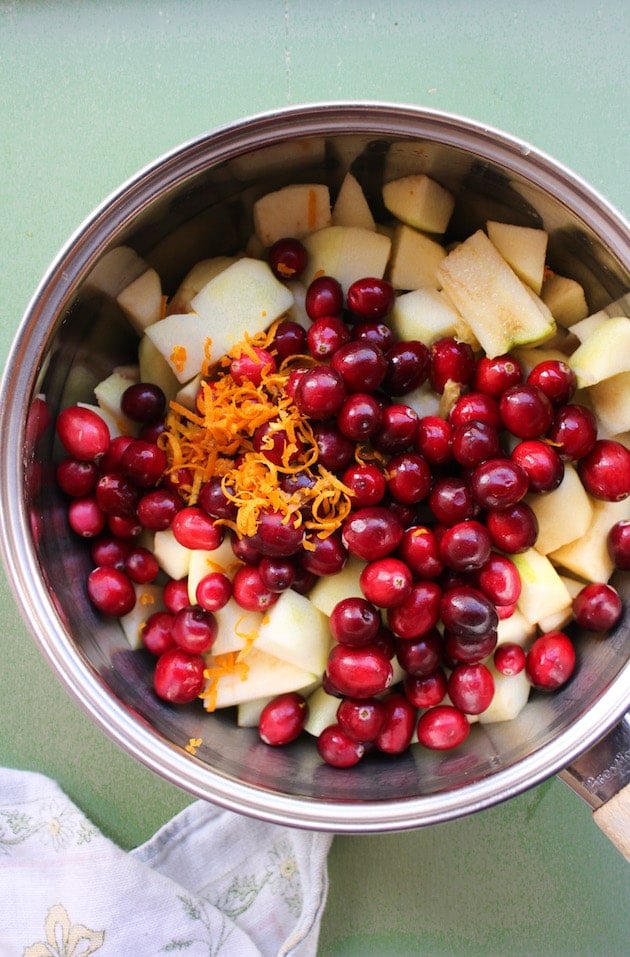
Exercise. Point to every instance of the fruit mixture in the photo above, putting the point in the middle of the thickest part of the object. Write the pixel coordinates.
(359, 483)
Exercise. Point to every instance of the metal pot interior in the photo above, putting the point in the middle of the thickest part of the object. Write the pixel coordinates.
(195, 203)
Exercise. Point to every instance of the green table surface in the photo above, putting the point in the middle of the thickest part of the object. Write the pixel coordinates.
(92, 91)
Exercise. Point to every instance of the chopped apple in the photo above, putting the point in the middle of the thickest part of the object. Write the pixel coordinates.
(346, 253)
(116, 270)
(322, 711)
(499, 308)
(187, 394)
(295, 630)
(423, 314)
(279, 157)
(294, 210)
(236, 627)
(109, 393)
(173, 558)
(585, 327)
(563, 514)
(565, 299)
(263, 676)
(528, 358)
(182, 340)
(153, 367)
(202, 562)
(419, 201)
(112, 423)
(587, 557)
(515, 629)
(523, 248)
(351, 207)
(414, 259)
(194, 281)
(610, 401)
(330, 589)
(424, 401)
(543, 592)
(141, 300)
(248, 712)
(605, 353)
(511, 693)
(148, 601)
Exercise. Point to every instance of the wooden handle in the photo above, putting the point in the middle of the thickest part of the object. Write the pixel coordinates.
(613, 818)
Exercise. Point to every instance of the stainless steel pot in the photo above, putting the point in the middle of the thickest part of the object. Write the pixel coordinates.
(196, 202)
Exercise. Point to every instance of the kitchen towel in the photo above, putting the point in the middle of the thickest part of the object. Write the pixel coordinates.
(210, 882)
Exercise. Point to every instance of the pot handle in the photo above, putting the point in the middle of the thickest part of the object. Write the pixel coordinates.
(601, 777)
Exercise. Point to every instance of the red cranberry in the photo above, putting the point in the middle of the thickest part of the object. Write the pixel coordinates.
(461, 648)
(378, 334)
(359, 417)
(76, 478)
(326, 556)
(550, 661)
(193, 528)
(618, 544)
(467, 612)
(289, 340)
(450, 361)
(110, 462)
(359, 672)
(499, 580)
(597, 607)
(143, 402)
(509, 659)
(465, 546)
(513, 529)
(320, 392)
(498, 483)
(525, 411)
(442, 728)
(494, 376)
(435, 439)
(111, 551)
(367, 484)
(246, 550)
(471, 687)
(370, 298)
(361, 718)
(143, 462)
(605, 471)
(324, 297)
(111, 591)
(156, 634)
(335, 450)
(122, 526)
(541, 463)
(83, 433)
(451, 500)
(249, 591)
(398, 726)
(409, 478)
(425, 691)
(398, 429)
(420, 656)
(277, 574)
(407, 367)
(371, 533)
(474, 442)
(252, 366)
(141, 565)
(556, 379)
(157, 509)
(282, 720)
(277, 536)
(276, 446)
(573, 432)
(287, 258)
(85, 517)
(418, 613)
(194, 629)
(354, 621)
(386, 582)
(338, 749)
(326, 335)
(420, 551)
(213, 591)
(116, 495)
(178, 676)
(175, 595)
(475, 406)
(361, 366)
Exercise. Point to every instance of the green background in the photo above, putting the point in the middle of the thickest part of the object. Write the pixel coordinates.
(92, 91)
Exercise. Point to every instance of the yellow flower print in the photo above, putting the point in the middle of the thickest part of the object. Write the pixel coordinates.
(64, 939)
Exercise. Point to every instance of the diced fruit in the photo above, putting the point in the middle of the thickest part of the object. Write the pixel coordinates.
(202, 561)
(153, 367)
(148, 601)
(351, 207)
(194, 281)
(610, 401)
(419, 201)
(523, 248)
(115, 271)
(173, 558)
(262, 675)
(108, 394)
(563, 514)
(565, 300)
(237, 627)
(414, 259)
(141, 300)
(587, 557)
(294, 210)
(346, 253)
(605, 353)
(511, 694)
(515, 629)
(543, 591)
(296, 631)
(248, 712)
(585, 327)
(322, 711)
(331, 589)
(501, 311)
(424, 314)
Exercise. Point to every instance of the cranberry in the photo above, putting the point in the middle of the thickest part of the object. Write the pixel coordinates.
(76, 478)
(605, 471)
(324, 297)
(303, 580)
(276, 446)
(465, 546)
(359, 672)
(143, 462)
(509, 659)
(338, 749)
(116, 495)
(462, 648)
(361, 718)
(418, 613)
(326, 335)
(152, 431)
(377, 334)
(289, 340)
(249, 591)
(386, 582)
(282, 720)
(111, 551)
(141, 565)
(278, 535)
(409, 478)
(277, 573)
(111, 591)
(420, 656)
(246, 550)
(467, 612)
(178, 677)
(122, 526)
(354, 621)
(157, 509)
(110, 462)
(194, 629)
(556, 379)
(361, 366)
(371, 533)
(335, 450)
(513, 529)
(193, 528)
(420, 551)
(287, 258)
(494, 376)
(597, 607)
(85, 517)
(83, 433)
(475, 406)
(498, 483)
(398, 726)
(474, 442)
(573, 432)
(435, 439)
(525, 411)
(175, 595)
(252, 365)
(499, 580)
(442, 728)
(213, 591)
(550, 661)
(451, 500)
(541, 463)
(398, 429)
(320, 392)
(370, 298)
(359, 417)
(143, 402)
(425, 691)
(618, 544)
(157, 636)
(471, 687)
(326, 556)
(450, 361)
(367, 484)
(407, 366)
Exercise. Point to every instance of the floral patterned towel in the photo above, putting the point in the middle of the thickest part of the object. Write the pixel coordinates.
(210, 882)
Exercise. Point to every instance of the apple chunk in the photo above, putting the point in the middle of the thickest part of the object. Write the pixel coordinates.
(351, 207)
(500, 309)
(424, 314)
(605, 353)
(563, 514)
(587, 557)
(261, 675)
(610, 400)
(565, 299)
(419, 201)
(414, 259)
(194, 281)
(141, 300)
(543, 592)
(523, 248)
(346, 253)
(296, 631)
(293, 210)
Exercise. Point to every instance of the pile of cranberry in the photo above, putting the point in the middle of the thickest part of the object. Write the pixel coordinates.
(438, 507)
